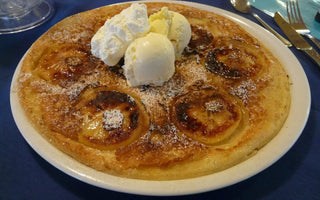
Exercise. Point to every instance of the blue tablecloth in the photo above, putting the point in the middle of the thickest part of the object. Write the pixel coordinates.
(25, 175)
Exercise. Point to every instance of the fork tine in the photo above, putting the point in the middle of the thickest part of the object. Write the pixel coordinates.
(295, 12)
(299, 13)
(288, 11)
(291, 12)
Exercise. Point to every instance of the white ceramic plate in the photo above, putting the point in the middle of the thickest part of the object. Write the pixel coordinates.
(264, 158)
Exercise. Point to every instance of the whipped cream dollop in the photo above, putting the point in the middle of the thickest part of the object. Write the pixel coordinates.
(112, 39)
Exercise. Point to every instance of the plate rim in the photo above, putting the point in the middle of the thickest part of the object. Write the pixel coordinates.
(194, 185)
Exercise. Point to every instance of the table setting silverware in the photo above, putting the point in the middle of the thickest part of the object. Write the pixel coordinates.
(245, 7)
(296, 21)
(296, 39)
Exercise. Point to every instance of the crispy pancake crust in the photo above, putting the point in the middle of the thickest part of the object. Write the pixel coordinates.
(228, 98)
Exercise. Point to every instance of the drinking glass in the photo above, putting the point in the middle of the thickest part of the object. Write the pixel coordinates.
(21, 15)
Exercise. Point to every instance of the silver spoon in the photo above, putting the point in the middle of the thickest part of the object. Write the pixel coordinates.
(245, 7)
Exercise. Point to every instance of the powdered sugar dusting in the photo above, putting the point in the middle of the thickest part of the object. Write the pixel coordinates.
(68, 36)
(244, 90)
(214, 106)
(170, 138)
(112, 119)
(24, 77)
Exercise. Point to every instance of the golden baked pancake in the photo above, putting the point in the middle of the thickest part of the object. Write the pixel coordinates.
(229, 96)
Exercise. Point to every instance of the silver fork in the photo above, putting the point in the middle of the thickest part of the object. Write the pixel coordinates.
(295, 19)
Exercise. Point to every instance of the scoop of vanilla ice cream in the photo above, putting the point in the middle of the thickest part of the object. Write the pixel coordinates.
(179, 33)
(149, 60)
(112, 39)
(160, 22)
(174, 25)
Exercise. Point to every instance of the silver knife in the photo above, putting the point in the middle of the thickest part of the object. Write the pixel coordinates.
(296, 39)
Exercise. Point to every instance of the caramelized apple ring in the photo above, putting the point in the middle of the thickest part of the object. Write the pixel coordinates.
(208, 116)
(65, 63)
(201, 40)
(235, 58)
(111, 118)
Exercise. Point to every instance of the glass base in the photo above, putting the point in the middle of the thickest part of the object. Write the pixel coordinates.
(28, 20)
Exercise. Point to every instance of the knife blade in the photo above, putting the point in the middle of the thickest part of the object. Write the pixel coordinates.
(296, 39)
